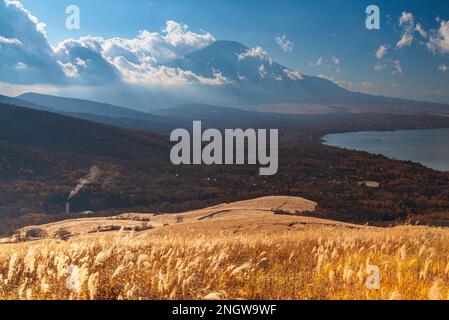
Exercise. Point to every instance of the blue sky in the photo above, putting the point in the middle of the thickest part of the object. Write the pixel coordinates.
(333, 30)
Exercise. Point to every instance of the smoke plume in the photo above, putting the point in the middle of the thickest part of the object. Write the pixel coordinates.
(93, 176)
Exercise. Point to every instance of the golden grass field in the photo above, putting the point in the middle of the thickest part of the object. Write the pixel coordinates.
(233, 251)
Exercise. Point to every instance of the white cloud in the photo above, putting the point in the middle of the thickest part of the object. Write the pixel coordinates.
(439, 42)
(341, 83)
(345, 84)
(23, 40)
(95, 60)
(241, 77)
(365, 86)
(21, 66)
(137, 60)
(397, 67)
(9, 41)
(443, 68)
(419, 28)
(218, 79)
(380, 67)
(407, 22)
(69, 69)
(148, 74)
(382, 51)
(406, 18)
(39, 25)
(285, 44)
(332, 64)
(257, 52)
(179, 37)
(368, 86)
(406, 40)
(85, 61)
(174, 42)
(262, 71)
(336, 60)
(293, 75)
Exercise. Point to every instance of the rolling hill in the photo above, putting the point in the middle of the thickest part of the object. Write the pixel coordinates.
(79, 106)
(245, 215)
(160, 121)
(260, 249)
(23, 103)
(50, 131)
(44, 154)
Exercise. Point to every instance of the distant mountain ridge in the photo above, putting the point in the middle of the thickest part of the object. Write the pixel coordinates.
(252, 81)
(160, 121)
(40, 129)
(23, 103)
(256, 78)
(70, 105)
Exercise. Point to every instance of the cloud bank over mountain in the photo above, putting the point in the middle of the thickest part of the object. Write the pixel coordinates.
(28, 58)
(25, 55)
(146, 67)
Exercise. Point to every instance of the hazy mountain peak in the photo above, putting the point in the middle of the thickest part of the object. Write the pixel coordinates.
(226, 46)
(236, 62)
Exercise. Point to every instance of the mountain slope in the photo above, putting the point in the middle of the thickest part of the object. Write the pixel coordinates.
(254, 79)
(43, 155)
(222, 116)
(50, 131)
(23, 103)
(38, 145)
(68, 105)
(249, 79)
(160, 121)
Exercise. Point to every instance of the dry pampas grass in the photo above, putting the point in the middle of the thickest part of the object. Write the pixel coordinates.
(315, 262)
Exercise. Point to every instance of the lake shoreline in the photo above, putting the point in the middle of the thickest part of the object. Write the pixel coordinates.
(427, 147)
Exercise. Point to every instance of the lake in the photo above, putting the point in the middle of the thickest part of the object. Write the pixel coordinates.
(428, 147)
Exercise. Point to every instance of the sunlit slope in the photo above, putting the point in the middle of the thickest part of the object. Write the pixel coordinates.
(262, 214)
(233, 251)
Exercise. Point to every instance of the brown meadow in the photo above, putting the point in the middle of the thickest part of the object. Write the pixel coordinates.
(201, 260)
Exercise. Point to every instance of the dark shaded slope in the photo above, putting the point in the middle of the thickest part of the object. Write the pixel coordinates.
(53, 132)
(69, 105)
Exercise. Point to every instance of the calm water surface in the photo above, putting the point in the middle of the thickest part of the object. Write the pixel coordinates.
(428, 147)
